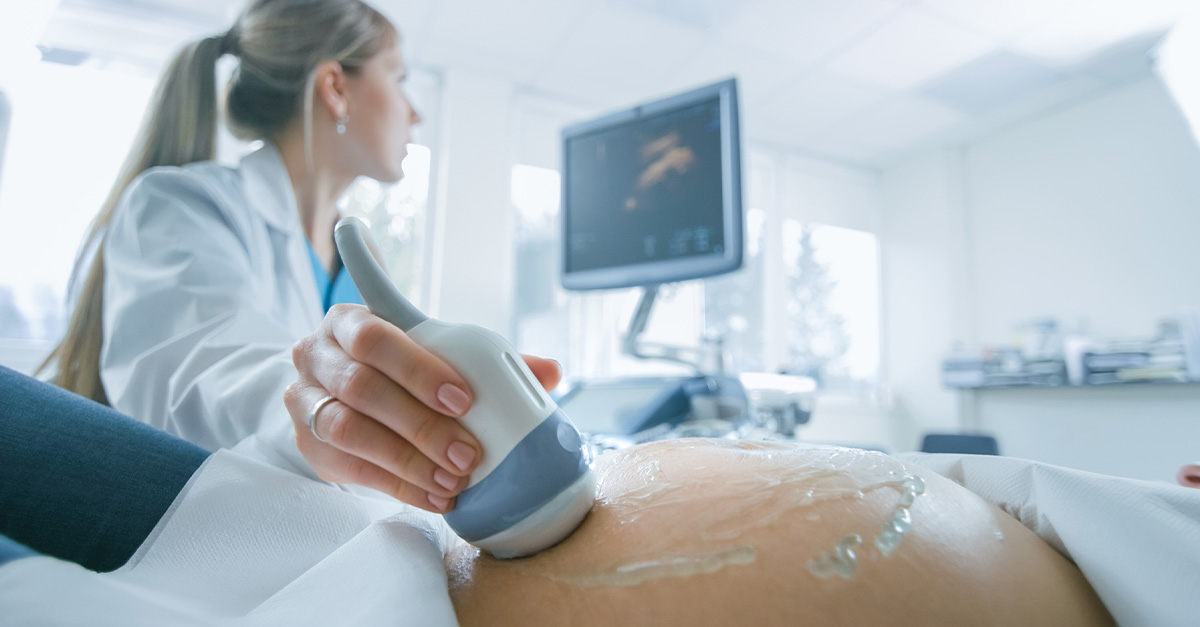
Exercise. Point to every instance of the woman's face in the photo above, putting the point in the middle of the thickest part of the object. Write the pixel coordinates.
(380, 117)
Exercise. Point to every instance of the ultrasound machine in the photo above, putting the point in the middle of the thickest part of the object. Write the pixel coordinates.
(652, 195)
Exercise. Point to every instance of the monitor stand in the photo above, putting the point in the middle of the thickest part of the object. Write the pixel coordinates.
(708, 359)
(711, 396)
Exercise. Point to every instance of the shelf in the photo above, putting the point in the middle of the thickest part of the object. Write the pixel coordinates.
(1093, 386)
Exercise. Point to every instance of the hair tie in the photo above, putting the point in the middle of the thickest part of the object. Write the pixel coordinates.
(229, 41)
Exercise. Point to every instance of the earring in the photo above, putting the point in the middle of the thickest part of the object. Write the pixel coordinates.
(341, 124)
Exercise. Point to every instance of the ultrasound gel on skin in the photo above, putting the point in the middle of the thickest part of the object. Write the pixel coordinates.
(535, 483)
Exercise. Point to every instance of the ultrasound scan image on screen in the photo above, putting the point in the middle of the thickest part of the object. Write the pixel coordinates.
(660, 181)
(658, 187)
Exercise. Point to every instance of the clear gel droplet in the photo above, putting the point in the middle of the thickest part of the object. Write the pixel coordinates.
(887, 541)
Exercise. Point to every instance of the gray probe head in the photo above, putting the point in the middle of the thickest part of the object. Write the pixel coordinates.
(377, 290)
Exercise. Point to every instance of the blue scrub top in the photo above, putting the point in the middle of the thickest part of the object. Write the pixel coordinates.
(336, 290)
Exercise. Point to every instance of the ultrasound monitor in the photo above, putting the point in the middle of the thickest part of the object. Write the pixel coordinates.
(652, 194)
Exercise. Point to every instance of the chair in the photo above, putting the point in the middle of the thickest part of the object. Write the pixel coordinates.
(960, 443)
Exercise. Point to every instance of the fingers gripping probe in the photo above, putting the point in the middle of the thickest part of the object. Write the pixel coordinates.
(534, 484)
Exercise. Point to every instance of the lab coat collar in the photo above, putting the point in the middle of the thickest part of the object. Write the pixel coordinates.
(268, 188)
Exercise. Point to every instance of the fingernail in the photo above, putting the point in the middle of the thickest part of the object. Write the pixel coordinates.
(453, 398)
(445, 479)
(439, 502)
(461, 454)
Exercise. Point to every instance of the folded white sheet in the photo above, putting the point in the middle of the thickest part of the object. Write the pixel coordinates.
(1137, 542)
(247, 543)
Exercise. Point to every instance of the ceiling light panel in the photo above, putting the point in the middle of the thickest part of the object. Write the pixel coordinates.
(909, 50)
(114, 37)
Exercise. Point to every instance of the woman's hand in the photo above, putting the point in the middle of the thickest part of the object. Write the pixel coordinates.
(392, 424)
(1188, 475)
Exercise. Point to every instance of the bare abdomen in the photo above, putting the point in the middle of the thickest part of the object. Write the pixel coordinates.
(700, 532)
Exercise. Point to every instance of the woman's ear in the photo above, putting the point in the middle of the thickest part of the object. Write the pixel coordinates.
(331, 89)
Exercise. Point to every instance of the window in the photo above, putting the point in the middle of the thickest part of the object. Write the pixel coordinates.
(832, 304)
(541, 307)
(396, 216)
(536, 196)
(54, 139)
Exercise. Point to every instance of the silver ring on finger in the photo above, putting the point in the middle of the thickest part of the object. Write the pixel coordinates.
(312, 416)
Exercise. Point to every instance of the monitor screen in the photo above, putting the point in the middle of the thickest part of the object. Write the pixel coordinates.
(652, 194)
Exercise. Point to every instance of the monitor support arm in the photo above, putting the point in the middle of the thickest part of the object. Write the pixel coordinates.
(632, 345)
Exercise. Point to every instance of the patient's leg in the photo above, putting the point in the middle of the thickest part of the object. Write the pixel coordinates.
(79, 481)
(721, 532)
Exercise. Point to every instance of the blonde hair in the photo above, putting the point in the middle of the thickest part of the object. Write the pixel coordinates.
(278, 44)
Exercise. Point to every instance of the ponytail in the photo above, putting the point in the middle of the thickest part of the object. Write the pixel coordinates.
(180, 127)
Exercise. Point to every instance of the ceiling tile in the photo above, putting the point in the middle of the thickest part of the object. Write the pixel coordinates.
(704, 14)
(411, 18)
(1001, 19)
(759, 74)
(897, 120)
(591, 93)
(806, 31)
(839, 150)
(618, 46)
(1094, 25)
(439, 54)
(813, 105)
(1072, 89)
(991, 82)
(909, 50)
(520, 33)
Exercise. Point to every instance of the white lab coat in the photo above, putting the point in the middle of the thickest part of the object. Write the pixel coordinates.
(208, 284)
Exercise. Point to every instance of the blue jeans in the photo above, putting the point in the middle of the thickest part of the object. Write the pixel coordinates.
(79, 481)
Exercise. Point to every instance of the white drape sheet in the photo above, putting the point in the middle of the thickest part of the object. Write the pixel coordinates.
(247, 543)
(1137, 542)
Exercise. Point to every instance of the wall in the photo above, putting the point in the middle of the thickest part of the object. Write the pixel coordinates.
(472, 253)
(923, 275)
(1090, 214)
(1087, 215)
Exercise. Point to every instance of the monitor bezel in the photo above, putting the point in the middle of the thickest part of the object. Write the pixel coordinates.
(671, 270)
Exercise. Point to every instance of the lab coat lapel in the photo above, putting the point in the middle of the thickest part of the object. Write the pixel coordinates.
(269, 193)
